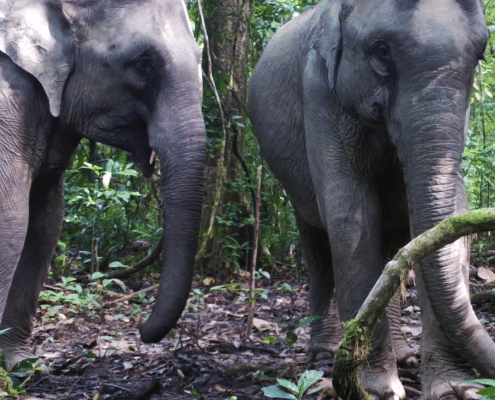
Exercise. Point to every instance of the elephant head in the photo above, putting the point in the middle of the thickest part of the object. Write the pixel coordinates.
(406, 68)
(126, 73)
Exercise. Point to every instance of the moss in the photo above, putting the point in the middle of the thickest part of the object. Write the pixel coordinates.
(353, 351)
(5, 382)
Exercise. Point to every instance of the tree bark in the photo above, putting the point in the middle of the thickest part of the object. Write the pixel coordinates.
(227, 24)
(355, 346)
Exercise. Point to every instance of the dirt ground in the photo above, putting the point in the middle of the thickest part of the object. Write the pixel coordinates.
(207, 357)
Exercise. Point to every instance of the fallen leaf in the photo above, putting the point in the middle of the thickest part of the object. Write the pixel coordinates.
(487, 275)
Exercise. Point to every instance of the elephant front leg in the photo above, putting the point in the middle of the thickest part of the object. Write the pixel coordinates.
(352, 216)
(404, 354)
(325, 330)
(46, 208)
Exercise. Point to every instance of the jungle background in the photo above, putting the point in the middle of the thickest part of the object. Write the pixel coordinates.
(113, 221)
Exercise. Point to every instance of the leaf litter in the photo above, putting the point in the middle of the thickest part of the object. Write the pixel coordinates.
(207, 356)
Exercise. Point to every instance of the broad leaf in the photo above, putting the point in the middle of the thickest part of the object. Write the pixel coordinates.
(278, 392)
(307, 379)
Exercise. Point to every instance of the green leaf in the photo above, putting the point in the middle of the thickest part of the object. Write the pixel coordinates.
(486, 382)
(117, 264)
(285, 287)
(24, 366)
(97, 275)
(307, 321)
(291, 386)
(277, 392)
(307, 379)
(488, 392)
(291, 338)
(265, 274)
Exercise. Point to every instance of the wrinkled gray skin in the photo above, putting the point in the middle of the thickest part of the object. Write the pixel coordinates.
(125, 73)
(325, 345)
(360, 110)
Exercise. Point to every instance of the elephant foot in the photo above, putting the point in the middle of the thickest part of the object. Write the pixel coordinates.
(322, 350)
(379, 375)
(446, 381)
(382, 383)
(405, 356)
(453, 391)
(14, 356)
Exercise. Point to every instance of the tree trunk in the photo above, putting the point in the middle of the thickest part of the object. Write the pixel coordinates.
(227, 25)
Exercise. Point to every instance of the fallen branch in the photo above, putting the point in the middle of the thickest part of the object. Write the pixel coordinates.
(355, 346)
(130, 296)
(150, 259)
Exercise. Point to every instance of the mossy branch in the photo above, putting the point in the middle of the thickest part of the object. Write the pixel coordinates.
(356, 344)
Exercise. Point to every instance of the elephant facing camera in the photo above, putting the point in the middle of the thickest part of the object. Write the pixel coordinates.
(124, 73)
(360, 110)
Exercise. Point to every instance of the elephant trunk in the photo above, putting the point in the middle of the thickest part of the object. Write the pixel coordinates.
(177, 134)
(430, 152)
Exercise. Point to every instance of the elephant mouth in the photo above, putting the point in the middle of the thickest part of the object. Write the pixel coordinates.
(131, 134)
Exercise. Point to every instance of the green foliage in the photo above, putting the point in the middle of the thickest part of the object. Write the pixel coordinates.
(292, 337)
(489, 391)
(78, 299)
(13, 382)
(288, 390)
(478, 166)
(108, 207)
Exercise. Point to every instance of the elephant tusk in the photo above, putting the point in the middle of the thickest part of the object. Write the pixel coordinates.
(152, 157)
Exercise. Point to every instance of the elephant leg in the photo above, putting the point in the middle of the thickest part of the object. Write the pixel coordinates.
(46, 208)
(404, 354)
(325, 331)
(354, 234)
(14, 211)
(25, 124)
(392, 241)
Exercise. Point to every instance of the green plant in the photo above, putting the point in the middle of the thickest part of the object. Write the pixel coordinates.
(79, 299)
(108, 207)
(489, 391)
(292, 337)
(285, 287)
(13, 382)
(286, 389)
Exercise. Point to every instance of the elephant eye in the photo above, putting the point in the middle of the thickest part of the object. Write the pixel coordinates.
(381, 50)
(380, 58)
(143, 65)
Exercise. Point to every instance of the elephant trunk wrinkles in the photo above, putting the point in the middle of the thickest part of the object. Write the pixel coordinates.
(435, 192)
(181, 148)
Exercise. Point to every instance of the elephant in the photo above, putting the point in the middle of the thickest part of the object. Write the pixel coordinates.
(327, 348)
(122, 72)
(360, 110)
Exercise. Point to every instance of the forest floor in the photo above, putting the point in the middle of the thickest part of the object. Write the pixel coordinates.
(98, 354)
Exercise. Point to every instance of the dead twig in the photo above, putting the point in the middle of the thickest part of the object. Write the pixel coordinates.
(130, 296)
(252, 281)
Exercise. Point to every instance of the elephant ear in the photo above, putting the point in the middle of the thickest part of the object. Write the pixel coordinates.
(329, 40)
(37, 36)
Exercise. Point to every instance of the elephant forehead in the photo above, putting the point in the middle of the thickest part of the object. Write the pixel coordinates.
(164, 25)
(440, 16)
